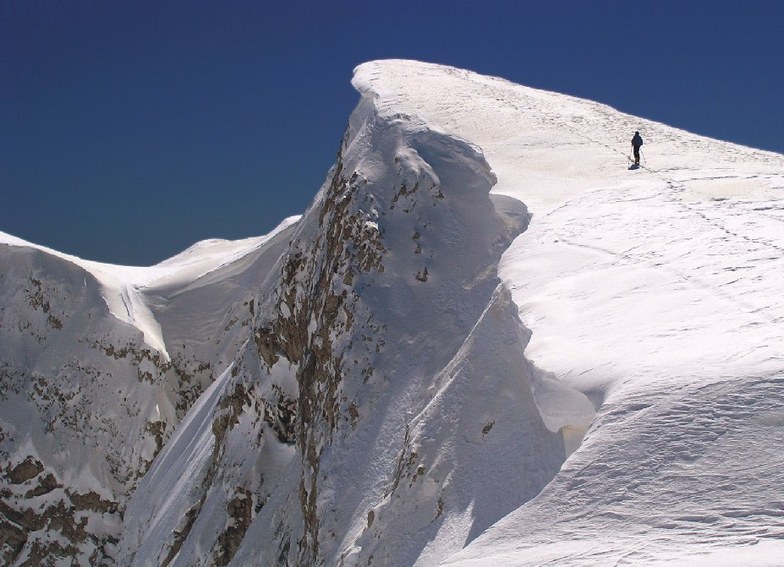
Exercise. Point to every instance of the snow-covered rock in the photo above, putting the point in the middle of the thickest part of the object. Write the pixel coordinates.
(98, 365)
(489, 340)
(387, 358)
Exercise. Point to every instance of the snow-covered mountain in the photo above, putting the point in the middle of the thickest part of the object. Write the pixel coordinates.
(489, 341)
(98, 365)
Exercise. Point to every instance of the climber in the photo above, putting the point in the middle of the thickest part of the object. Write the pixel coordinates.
(636, 143)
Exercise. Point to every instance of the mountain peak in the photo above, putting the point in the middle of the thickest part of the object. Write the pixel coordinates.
(489, 334)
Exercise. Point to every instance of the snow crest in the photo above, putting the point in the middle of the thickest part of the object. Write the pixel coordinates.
(489, 340)
(386, 365)
(652, 294)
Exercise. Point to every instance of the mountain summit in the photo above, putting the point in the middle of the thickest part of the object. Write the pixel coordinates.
(489, 340)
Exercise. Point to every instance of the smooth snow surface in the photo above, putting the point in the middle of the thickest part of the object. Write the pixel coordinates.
(657, 293)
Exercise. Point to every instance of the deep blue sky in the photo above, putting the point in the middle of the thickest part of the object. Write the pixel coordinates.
(131, 129)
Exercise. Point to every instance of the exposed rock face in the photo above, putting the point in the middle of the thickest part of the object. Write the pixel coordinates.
(317, 309)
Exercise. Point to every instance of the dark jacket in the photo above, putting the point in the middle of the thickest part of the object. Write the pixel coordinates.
(637, 140)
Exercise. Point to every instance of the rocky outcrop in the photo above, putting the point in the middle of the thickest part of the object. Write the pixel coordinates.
(36, 506)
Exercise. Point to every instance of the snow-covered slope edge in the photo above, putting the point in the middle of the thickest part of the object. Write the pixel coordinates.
(89, 393)
(383, 412)
(653, 291)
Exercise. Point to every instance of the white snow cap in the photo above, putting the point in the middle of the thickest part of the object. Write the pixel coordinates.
(657, 291)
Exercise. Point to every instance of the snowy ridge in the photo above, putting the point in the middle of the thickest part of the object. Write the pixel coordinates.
(488, 341)
(123, 287)
(343, 371)
(652, 288)
(91, 355)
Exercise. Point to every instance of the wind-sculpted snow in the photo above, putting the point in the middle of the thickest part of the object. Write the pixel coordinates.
(387, 358)
(489, 341)
(658, 285)
(684, 475)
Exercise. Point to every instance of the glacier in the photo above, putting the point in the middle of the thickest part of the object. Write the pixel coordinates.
(488, 341)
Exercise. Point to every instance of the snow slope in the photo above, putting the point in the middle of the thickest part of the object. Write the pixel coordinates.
(98, 363)
(654, 292)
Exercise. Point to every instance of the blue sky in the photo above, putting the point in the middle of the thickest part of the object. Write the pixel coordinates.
(130, 130)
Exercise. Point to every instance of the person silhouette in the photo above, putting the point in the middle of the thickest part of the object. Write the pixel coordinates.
(636, 143)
